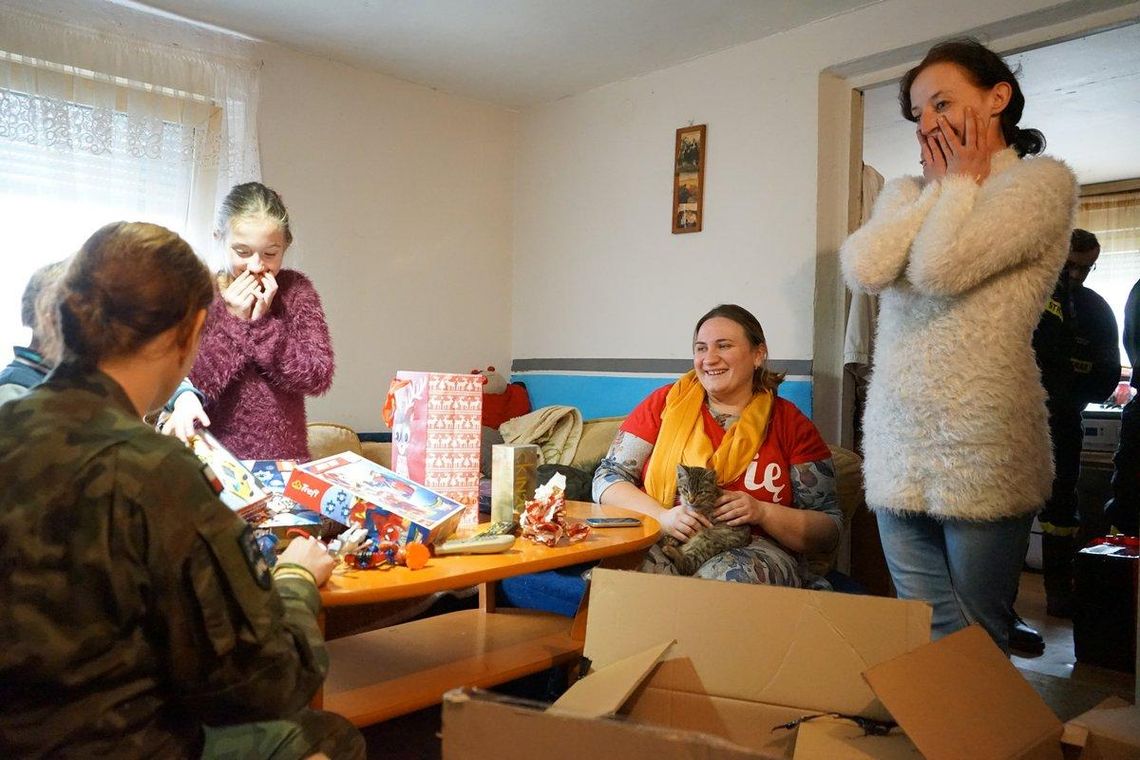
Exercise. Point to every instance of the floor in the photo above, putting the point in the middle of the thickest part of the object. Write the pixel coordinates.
(1068, 687)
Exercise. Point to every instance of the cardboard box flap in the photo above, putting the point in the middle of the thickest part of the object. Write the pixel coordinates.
(830, 738)
(765, 644)
(960, 697)
(1076, 732)
(1110, 731)
(477, 725)
(604, 691)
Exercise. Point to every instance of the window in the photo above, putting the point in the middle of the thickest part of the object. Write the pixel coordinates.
(67, 168)
(126, 122)
(1115, 220)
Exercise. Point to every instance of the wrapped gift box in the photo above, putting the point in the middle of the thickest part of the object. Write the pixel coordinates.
(351, 489)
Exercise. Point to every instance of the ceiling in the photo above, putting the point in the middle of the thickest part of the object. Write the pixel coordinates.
(513, 52)
(1084, 94)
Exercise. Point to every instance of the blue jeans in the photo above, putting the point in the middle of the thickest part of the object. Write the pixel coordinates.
(966, 570)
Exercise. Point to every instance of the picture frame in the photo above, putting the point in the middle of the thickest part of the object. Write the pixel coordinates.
(689, 179)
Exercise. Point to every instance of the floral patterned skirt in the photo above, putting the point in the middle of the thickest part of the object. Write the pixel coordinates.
(762, 561)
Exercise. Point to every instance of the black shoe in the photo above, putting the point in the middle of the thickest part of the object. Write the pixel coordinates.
(1024, 639)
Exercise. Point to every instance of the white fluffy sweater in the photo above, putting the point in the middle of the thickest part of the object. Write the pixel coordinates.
(955, 422)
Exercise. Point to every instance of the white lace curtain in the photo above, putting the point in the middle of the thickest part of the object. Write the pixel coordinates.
(126, 104)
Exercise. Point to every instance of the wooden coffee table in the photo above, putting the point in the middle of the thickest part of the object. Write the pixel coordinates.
(388, 672)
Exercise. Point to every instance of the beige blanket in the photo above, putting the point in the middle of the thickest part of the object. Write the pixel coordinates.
(555, 429)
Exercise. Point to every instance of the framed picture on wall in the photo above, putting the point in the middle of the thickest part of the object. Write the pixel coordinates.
(689, 179)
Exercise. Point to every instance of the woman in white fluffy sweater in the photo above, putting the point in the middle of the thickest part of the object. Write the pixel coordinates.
(958, 457)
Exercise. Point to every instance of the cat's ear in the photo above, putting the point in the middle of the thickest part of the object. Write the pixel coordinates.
(682, 475)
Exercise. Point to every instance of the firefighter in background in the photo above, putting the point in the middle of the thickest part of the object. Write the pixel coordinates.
(1076, 345)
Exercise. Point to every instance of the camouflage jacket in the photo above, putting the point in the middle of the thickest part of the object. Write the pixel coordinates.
(134, 606)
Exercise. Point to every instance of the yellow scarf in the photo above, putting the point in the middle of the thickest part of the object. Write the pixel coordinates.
(682, 439)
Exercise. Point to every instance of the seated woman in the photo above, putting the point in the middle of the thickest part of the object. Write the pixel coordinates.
(772, 465)
(137, 607)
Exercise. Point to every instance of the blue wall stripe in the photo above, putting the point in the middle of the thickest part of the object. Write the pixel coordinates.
(644, 366)
(617, 395)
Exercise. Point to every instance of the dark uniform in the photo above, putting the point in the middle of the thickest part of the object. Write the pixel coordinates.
(1077, 352)
(135, 607)
(1123, 509)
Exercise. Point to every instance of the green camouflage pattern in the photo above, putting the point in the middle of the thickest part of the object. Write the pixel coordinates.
(131, 614)
(300, 736)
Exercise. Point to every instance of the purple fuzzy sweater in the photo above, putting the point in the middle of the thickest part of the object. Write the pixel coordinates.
(255, 375)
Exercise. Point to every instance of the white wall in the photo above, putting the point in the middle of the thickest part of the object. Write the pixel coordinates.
(401, 204)
(597, 271)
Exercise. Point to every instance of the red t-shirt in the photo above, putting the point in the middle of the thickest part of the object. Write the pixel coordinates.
(792, 439)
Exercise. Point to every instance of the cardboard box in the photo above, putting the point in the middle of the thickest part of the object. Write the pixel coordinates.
(747, 659)
(1109, 731)
(272, 474)
(238, 488)
(282, 513)
(351, 489)
(436, 434)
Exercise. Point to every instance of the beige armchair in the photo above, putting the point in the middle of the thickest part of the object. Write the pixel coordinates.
(328, 438)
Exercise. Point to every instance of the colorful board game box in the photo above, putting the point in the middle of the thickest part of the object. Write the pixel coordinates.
(238, 488)
(351, 489)
(283, 513)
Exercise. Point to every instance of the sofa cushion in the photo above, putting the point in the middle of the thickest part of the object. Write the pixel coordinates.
(328, 438)
(597, 435)
(379, 452)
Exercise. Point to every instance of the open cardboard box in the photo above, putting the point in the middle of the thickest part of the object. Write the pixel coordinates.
(1109, 731)
(703, 669)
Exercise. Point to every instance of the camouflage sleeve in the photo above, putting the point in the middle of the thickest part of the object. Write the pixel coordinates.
(623, 463)
(241, 646)
(813, 487)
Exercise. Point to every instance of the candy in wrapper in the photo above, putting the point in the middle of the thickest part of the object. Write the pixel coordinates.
(543, 519)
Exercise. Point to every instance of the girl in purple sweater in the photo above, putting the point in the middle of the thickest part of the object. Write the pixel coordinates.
(265, 345)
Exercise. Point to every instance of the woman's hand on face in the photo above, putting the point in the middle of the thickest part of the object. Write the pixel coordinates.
(933, 161)
(967, 154)
(188, 413)
(241, 295)
(264, 296)
(681, 522)
(737, 508)
(310, 554)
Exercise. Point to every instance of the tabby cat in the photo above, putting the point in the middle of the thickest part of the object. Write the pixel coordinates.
(699, 491)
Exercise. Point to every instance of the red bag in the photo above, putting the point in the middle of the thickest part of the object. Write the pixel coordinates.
(500, 407)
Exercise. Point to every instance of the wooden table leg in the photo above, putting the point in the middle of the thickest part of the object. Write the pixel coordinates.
(487, 596)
